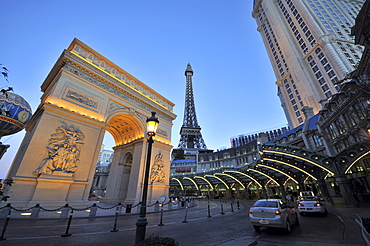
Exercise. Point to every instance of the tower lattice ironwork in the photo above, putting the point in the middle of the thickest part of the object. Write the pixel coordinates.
(191, 137)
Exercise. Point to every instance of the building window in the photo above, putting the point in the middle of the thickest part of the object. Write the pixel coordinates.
(349, 120)
(332, 132)
(317, 141)
(340, 127)
(360, 111)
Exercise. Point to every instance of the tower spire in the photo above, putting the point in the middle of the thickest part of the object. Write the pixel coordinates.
(191, 137)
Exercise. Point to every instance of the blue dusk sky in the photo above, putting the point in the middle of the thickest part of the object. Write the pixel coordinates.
(233, 82)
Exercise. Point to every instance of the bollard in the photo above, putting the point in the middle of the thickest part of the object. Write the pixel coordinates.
(65, 211)
(169, 206)
(160, 222)
(156, 206)
(35, 211)
(115, 222)
(222, 208)
(93, 210)
(128, 208)
(119, 208)
(209, 211)
(67, 234)
(193, 202)
(186, 214)
(237, 202)
(232, 206)
(5, 225)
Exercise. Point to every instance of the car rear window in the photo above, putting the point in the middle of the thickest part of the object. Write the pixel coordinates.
(270, 204)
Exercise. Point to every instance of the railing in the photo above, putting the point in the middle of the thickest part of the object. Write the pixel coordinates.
(34, 212)
(365, 234)
(67, 212)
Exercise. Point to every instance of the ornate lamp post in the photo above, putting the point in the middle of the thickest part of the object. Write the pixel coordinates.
(152, 124)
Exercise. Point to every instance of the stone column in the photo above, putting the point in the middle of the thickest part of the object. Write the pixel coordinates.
(345, 190)
(301, 187)
(324, 191)
(246, 193)
(264, 192)
(282, 192)
(258, 192)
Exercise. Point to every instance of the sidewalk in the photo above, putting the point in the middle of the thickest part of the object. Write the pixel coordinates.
(363, 211)
(107, 209)
(101, 210)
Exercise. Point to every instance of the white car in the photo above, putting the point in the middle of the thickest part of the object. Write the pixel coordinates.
(273, 213)
(311, 204)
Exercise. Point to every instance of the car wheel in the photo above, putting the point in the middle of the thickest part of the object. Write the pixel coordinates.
(325, 213)
(301, 213)
(288, 228)
(257, 228)
(296, 220)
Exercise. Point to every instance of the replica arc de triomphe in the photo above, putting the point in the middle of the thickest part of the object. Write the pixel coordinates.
(85, 95)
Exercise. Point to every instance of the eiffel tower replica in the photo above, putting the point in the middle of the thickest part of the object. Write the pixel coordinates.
(191, 140)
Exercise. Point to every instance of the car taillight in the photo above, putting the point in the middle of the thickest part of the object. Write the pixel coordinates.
(250, 211)
(300, 205)
(277, 212)
(317, 205)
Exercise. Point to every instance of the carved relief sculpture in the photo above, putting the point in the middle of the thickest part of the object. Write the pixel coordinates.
(63, 149)
(157, 174)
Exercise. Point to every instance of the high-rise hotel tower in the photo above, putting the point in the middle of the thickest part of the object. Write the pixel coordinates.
(310, 48)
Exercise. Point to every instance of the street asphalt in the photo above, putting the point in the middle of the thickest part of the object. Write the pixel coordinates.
(228, 229)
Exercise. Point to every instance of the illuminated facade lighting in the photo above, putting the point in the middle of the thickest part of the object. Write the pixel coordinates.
(218, 179)
(246, 176)
(199, 177)
(254, 170)
(277, 170)
(195, 184)
(182, 187)
(228, 175)
(281, 162)
(301, 158)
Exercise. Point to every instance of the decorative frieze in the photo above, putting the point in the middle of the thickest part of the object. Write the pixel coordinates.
(74, 96)
(63, 152)
(157, 174)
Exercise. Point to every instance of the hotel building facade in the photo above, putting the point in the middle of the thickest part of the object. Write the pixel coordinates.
(310, 47)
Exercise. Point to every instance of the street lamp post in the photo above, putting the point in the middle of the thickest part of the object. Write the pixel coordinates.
(152, 124)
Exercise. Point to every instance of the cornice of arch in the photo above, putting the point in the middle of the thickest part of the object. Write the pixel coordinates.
(84, 70)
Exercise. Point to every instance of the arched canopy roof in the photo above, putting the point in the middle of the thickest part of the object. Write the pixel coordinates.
(278, 165)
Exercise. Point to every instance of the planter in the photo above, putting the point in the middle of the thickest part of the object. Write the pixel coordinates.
(158, 241)
(364, 224)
